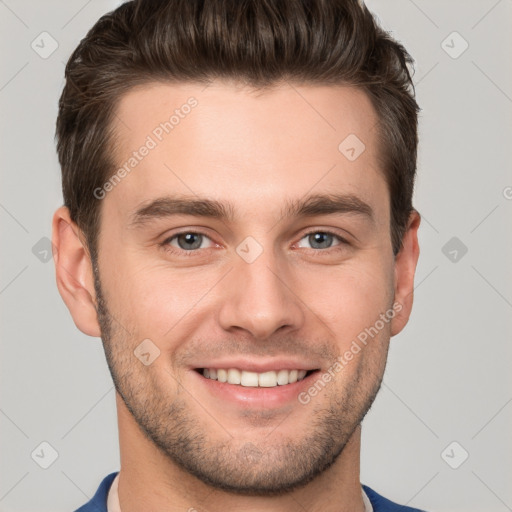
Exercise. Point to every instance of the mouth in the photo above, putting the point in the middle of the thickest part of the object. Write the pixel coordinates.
(249, 379)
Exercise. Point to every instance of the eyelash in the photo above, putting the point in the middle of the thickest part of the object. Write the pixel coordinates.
(326, 232)
(192, 253)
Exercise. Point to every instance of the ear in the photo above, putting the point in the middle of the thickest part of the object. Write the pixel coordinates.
(405, 268)
(73, 267)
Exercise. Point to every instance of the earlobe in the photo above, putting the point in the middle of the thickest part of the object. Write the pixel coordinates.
(73, 268)
(405, 269)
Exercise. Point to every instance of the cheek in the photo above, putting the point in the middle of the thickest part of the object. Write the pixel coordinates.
(151, 299)
(349, 298)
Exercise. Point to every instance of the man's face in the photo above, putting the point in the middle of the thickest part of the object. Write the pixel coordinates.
(266, 287)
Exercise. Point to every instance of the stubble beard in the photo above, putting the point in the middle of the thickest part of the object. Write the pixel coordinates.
(270, 467)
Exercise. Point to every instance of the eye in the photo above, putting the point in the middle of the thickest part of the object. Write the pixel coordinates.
(321, 240)
(188, 241)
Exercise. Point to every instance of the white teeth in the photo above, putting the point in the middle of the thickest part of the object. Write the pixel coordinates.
(268, 379)
(233, 376)
(282, 377)
(249, 379)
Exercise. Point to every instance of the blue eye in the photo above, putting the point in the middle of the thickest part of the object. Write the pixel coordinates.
(190, 243)
(322, 240)
(187, 241)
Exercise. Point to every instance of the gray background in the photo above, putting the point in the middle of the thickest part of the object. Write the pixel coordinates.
(448, 377)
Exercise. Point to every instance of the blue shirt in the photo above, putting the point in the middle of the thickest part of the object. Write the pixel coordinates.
(98, 502)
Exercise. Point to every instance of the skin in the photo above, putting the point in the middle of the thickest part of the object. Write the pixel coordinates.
(180, 445)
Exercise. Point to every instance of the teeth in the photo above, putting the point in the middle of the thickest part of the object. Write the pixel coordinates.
(249, 379)
(269, 379)
(234, 376)
(282, 377)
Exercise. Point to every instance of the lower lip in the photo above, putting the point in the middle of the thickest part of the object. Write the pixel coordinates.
(254, 397)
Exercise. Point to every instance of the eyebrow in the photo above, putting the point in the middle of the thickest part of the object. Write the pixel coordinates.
(318, 204)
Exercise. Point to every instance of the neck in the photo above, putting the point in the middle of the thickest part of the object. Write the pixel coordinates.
(148, 480)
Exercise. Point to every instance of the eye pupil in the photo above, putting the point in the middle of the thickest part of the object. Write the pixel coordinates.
(320, 240)
(190, 241)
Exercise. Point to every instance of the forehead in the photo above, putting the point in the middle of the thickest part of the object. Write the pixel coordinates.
(231, 142)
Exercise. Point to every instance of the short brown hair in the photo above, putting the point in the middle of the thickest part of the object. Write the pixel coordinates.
(257, 42)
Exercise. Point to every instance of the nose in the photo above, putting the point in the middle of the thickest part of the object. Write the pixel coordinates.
(258, 298)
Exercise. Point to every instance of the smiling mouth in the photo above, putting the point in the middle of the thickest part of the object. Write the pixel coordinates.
(269, 379)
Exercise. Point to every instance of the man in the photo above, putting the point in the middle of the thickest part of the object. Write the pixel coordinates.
(238, 229)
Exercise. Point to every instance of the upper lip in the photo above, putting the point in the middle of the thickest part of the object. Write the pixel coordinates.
(253, 365)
